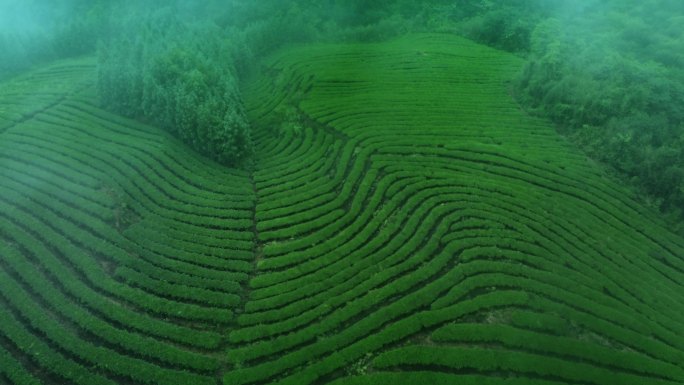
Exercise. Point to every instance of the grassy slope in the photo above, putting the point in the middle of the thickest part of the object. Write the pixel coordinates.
(412, 226)
(419, 228)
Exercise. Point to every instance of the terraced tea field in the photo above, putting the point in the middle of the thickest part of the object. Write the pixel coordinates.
(404, 222)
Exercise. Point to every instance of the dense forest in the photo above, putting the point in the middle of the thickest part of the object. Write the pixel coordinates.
(609, 74)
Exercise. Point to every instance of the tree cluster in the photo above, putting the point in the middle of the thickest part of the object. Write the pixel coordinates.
(180, 76)
(611, 77)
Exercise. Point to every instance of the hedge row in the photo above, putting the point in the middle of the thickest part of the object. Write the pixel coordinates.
(494, 360)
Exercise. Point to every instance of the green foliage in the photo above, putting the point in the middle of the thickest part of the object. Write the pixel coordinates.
(179, 76)
(507, 26)
(502, 28)
(82, 28)
(613, 81)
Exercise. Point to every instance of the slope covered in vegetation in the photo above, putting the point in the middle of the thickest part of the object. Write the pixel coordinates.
(416, 227)
(403, 222)
(123, 255)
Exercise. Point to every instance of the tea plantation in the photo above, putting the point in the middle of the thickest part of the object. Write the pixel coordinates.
(403, 222)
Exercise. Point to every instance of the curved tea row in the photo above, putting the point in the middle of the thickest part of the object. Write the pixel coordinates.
(421, 229)
(124, 256)
(25, 95)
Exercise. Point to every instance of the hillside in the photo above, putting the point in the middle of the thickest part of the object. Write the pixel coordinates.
(403, 222)
(124, 255)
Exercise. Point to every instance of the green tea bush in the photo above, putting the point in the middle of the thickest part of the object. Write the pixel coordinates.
(180, 76)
